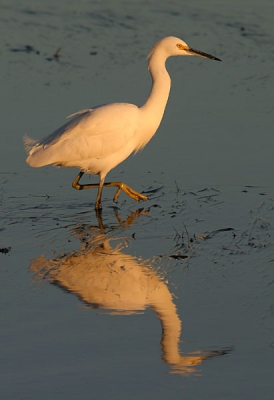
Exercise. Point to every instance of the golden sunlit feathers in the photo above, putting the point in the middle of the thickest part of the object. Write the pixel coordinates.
(97, 140)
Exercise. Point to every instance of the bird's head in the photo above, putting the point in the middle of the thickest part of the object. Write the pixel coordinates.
(172, 46)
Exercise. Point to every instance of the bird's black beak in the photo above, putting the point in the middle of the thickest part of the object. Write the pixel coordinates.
(199, 53)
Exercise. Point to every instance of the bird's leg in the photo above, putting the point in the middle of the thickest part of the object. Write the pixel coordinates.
(76, 185)
(98, 204)
(121, 186)
(128, 190)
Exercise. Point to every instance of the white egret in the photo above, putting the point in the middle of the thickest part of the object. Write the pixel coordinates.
(97, 140)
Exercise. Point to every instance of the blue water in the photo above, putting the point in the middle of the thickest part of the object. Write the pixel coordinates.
(170, 297)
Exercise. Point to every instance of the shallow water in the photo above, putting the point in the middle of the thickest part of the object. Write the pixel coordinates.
(171, 297)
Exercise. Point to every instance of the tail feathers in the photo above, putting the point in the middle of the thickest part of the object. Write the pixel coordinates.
(29, 143)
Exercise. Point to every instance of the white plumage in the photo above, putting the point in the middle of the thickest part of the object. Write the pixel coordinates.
(97, 140)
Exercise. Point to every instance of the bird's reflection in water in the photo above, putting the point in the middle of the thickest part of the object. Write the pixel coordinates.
(101, 275)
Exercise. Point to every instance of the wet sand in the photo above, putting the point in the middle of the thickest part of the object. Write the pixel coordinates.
(170, 297)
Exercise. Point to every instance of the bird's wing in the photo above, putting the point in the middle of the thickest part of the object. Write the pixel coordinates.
(96, 133)
(102, 132)
(80, 112)
(32, 145)
(95, 122)
(70, 128)
(86, 110)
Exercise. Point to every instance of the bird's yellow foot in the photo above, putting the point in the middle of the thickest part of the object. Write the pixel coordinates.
(129, 191)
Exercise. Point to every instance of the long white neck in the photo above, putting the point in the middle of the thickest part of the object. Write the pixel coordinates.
(154, 107)
(157, 99)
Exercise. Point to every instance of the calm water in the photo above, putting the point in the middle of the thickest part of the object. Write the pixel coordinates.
(172, 297)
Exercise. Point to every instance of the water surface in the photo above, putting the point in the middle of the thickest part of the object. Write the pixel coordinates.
(172, 297)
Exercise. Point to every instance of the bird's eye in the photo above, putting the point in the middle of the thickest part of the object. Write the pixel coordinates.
(180, 46)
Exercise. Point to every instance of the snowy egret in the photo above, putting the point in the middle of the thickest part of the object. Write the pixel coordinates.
(97, 140)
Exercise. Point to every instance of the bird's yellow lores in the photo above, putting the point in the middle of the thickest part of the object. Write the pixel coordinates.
(97, 140)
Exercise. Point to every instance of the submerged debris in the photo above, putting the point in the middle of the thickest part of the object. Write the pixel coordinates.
(55, 56)
(25, 49)
(31, 50)
(178, 256)
(5, 250)
(210, 234)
